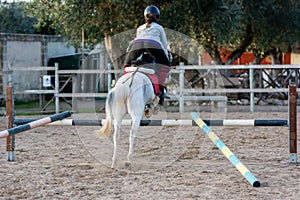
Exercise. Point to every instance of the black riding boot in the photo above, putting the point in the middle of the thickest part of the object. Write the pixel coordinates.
(162, 96)
(161, 101)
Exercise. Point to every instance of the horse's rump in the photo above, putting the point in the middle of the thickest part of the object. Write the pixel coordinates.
(130, 95)
(140, 69)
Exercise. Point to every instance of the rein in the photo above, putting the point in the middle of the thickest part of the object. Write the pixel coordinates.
(132, 75)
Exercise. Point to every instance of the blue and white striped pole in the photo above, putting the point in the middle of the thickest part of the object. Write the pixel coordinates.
(167, 122)
(34, 124)
(226, 151)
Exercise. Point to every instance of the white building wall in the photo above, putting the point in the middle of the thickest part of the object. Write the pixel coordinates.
(24, 55)
(295, 58)
(27, 51)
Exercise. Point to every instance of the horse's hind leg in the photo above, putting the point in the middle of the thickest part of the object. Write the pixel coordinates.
(136, 118)
(115, 139)
(134, 128)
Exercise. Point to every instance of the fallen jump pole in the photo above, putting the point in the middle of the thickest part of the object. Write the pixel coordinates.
(168, 122)
(34, 124)
(226, 151)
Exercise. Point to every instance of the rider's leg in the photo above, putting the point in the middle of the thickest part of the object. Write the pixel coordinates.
(163, 74)
(162, 68)
(136, 50)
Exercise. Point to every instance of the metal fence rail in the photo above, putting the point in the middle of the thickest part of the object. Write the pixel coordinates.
(182, 93)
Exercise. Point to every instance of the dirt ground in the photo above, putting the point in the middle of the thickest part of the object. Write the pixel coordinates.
(69, 162)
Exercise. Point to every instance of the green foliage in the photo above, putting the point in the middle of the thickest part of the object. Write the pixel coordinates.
(274, 23)
(14, 19)
(236, 25)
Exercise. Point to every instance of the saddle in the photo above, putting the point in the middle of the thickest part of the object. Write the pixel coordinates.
(148, 72)
(145, 64)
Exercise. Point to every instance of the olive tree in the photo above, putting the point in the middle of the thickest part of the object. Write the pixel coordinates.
(262, 27)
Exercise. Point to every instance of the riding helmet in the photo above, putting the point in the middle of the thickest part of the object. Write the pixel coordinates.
(152, 11)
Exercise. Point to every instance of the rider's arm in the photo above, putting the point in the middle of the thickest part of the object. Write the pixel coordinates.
(163, 37)
(164, 41)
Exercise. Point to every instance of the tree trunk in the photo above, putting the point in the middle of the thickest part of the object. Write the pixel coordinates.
(115, 54)
(215, 55)
(242, 48)
(237, 52)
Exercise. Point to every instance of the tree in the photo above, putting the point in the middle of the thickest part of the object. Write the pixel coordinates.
(275, 26)
(14, 19)
(248, 25)
(235, 25)
(271, 27)
(214, 24)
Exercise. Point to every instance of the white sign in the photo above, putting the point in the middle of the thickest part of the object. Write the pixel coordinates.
(46, 81)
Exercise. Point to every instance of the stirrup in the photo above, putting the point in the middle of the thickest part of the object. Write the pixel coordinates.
(163, 94)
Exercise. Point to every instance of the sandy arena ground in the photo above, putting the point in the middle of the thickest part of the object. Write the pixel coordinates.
(68, 162)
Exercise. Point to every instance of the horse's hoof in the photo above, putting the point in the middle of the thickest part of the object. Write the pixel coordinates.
(148, 113)
(113, 165)
(155, 100)
(128, 164)
(156, 109)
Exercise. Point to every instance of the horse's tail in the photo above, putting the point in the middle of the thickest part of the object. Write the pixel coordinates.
(105, 131)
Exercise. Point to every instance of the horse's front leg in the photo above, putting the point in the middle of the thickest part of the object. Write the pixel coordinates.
(155, 102)
(152, 108)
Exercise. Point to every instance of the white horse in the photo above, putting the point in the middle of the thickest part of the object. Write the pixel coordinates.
(130, 95)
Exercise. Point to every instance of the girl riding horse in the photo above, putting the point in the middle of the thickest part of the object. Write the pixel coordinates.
(151, 38)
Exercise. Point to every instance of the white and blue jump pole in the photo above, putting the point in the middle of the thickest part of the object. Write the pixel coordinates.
(34, 124)
(168, 122)
(226, 151)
